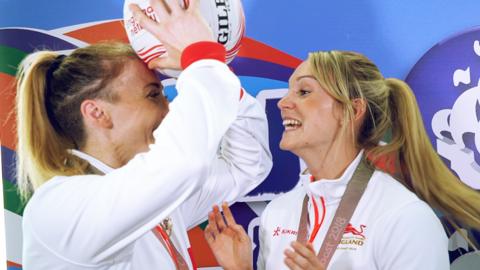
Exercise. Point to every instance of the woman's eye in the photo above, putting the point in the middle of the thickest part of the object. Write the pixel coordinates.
(303, 92)
(154, 94)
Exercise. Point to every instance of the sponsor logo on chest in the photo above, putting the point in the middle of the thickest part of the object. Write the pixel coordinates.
(353, 237)
(279, 231)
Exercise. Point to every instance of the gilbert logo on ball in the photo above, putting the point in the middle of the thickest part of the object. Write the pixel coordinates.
(225, 17)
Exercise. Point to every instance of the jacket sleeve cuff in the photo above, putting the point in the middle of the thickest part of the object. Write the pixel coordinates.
(202, 50)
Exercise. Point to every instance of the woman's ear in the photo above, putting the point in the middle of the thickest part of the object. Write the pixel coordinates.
(359, 108)
(95, 113)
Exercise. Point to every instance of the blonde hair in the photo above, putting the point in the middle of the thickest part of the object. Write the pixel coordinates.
(392, 108)
(50, 89)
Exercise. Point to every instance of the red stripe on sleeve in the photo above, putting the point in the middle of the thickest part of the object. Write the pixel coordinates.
(202, 50)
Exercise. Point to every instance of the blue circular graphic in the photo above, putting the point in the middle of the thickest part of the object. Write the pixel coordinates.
(447, 78)
(446, 84)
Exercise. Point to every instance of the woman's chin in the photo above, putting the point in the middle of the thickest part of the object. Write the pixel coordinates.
(285, 145)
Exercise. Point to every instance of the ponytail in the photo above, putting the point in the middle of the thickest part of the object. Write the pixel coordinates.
(422, 169)
(41, 150)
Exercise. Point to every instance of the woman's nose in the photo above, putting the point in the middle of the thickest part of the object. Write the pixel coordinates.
(285, 103)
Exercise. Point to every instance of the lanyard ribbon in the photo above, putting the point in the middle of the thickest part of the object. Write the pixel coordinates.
(351, 197)
(177, 258)
(160, 233)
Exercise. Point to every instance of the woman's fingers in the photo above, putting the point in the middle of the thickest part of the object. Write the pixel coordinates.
(176, 28)
(302, 257)
(231, 226)
(228, 214)
(213, 224)
(219, 219)
(192, 5)
(160, 8)
(307, 251)
(163, 63)
(174, 6)
(298, 259)
(239, 232)
(209, 235)
(302, 250)
(291, 264)
(310, 247)
(143, 19)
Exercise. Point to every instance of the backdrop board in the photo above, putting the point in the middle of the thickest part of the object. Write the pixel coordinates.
(432, 44)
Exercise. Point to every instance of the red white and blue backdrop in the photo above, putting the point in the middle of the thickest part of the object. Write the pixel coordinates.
(432, 44)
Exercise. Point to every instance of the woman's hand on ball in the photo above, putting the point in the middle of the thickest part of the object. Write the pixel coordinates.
(177, 28)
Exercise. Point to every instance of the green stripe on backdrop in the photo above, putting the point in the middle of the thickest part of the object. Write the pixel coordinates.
(11, 199)
(9, 59)
(203, 225)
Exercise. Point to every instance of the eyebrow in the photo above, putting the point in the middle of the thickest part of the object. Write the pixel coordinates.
(304, 77)
(155, 84)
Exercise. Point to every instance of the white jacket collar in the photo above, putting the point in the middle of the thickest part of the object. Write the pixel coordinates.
(93, 161)
(331, 189)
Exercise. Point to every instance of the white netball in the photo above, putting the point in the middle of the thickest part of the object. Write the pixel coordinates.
(225, 17)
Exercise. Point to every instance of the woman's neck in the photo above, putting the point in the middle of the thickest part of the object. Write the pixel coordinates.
(329, 164)
(104, 153)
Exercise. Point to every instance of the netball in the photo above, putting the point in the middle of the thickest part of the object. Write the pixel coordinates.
(225, 17)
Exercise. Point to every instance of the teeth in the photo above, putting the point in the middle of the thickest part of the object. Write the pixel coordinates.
(291, 123)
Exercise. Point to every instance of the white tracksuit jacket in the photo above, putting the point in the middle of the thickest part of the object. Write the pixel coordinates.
(105, 222)
(391, 228)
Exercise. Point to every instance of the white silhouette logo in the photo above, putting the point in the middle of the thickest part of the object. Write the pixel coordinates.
(459, 120)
